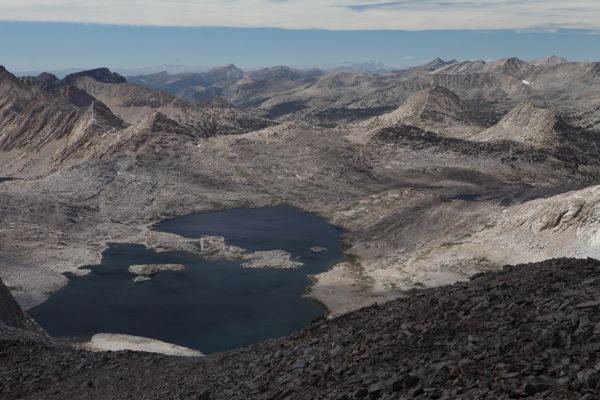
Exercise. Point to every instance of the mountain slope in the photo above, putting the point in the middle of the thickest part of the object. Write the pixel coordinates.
(437, 109)
(134, 103)
(530, 125)
(340, 97)
(154, 136)
(47, 123)
(41, 109)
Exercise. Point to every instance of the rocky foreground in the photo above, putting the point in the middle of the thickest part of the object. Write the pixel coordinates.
(527, 331)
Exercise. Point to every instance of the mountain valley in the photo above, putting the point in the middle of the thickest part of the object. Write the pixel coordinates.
(435, 174)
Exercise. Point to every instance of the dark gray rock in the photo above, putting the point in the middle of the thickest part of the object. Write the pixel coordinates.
(533, 339)
(100, 74)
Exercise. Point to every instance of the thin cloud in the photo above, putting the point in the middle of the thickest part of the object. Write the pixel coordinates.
(316, 14)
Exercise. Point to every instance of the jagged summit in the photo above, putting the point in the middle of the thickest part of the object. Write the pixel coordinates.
(47, 77)
(11, 93)
(528, 124)
(5, 74)
(550, 61)
(47, 80)
(100, 74)
(512, 66)
(437, 63)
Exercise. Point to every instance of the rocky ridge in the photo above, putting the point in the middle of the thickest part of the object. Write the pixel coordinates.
(329, 98)
(47, 123)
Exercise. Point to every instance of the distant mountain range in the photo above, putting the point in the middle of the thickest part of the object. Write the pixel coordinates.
(365, 66)
(347, 94)
(456, 99)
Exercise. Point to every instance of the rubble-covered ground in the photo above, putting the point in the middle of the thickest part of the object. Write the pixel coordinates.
(526, 331)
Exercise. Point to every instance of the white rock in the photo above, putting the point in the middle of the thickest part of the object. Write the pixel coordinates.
(270, 259)
(215, 247)
(151, 269)
(119, 342)
(141, 278)
(81, 271)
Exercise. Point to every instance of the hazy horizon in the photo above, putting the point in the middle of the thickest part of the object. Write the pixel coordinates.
(29, 47)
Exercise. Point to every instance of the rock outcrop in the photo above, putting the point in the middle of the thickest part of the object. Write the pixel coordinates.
(152, 269)
(99, 74)
(12, 316)
(10, 312)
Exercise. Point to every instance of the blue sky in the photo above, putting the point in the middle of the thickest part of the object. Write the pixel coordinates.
(40, 35)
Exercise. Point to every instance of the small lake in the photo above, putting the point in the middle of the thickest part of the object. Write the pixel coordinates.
(210, 305)
(466, 197)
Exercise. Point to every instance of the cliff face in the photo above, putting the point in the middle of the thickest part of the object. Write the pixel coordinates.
(10, 313)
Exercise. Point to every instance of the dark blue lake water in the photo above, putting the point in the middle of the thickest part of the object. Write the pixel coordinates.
(211, 305)
(466, 197)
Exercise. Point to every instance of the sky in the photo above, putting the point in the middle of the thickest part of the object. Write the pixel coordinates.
(51, 35)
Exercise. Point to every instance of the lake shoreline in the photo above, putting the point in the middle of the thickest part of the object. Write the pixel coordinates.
(308, 249)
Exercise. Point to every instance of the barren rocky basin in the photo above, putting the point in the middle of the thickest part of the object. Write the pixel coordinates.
(433, 175)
